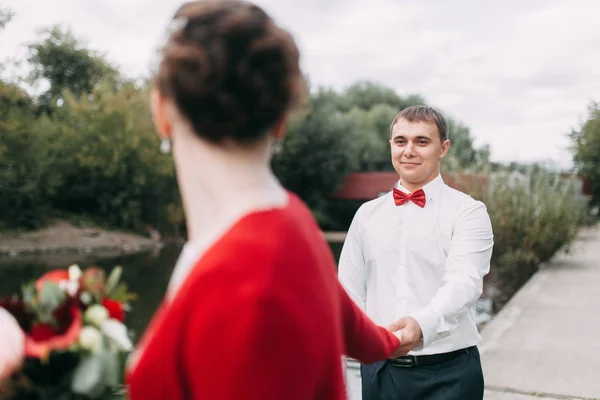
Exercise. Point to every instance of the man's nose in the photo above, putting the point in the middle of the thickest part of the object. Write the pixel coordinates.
(409, 150)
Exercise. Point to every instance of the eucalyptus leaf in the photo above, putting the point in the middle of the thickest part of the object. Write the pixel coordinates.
(112, 371)
(121, 293)
(29, 294)
(113, 279)
(51, 295)
(89, 379)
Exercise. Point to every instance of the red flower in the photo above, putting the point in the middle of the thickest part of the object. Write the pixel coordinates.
(53, 276)
(41, 346)
(115, 309)
(41, 332)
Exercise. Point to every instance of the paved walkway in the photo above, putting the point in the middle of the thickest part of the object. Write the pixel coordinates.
(336, 237)
(545, 343)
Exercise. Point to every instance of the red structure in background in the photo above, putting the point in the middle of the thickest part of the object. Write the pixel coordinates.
(370, 185)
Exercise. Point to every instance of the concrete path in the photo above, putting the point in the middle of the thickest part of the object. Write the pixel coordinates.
(545, 343)
(336, 237)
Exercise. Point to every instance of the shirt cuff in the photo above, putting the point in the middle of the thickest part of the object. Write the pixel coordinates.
(431, 324)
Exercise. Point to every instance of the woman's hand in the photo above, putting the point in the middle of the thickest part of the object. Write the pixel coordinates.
(12, 344)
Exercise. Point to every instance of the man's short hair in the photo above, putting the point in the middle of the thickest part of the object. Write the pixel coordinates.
(424, 114)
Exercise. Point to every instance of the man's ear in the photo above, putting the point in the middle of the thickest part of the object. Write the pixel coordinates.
(445, 148)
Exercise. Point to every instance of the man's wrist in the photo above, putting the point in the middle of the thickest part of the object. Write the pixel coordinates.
(428, 320)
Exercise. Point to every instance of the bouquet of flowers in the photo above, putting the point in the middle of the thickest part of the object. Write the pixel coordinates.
(64, 337)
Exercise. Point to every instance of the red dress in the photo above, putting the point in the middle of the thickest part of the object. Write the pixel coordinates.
(261, 316)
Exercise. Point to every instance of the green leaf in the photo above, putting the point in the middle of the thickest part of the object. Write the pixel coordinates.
(112, 370)
(113, 280)
(29, 295)
(89, 379)
(51, 296)
(121, 293)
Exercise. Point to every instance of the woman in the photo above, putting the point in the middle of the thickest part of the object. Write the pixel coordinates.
(254, 309)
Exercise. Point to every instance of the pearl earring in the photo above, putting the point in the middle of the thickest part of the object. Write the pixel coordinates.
(276, 147)
(165, 146)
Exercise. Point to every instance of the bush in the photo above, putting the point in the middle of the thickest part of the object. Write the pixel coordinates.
(105, 151)
(533, 219)
(26, 180)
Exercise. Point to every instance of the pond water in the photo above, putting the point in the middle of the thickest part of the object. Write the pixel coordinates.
(147, 275)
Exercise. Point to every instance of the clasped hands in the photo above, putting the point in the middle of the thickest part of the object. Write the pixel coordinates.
(409, 333)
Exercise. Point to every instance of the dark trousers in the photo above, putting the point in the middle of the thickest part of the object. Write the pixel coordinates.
(458, 379)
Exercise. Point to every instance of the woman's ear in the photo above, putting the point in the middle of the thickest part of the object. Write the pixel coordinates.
(160, 115)
(279, 129)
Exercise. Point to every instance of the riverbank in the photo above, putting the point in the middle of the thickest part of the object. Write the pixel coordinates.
(64, 238)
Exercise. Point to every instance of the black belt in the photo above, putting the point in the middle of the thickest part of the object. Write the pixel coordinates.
(409, 361)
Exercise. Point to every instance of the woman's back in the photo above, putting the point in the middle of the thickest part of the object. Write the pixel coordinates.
(258, 317)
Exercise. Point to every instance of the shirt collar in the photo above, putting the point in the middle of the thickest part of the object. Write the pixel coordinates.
(431, 189)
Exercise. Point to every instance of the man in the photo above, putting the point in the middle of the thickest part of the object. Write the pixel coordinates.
(414, 259)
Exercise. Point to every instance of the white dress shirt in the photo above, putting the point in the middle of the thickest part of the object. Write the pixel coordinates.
(427, 263)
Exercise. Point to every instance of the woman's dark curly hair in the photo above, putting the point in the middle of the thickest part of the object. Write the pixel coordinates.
(230, 70)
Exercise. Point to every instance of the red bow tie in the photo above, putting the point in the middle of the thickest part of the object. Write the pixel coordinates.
(417, 197)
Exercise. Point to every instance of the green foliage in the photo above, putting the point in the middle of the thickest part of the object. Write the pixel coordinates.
(463, 154)
(586, 146)
(365, 95)
(50, 298)
(96, 375)
(374, 126)
(63, 62)
(5, 17)
(26, 179)
(532, 218)
(105, 149)
(318, 151)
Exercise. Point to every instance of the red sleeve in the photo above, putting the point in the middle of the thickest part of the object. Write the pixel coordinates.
(365, 341)
(240, 346)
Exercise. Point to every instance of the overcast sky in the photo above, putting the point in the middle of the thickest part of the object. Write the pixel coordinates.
(519, 73)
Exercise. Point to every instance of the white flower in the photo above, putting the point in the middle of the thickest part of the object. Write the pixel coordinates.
(96, 315)
(85, 298)
(70, 287)
(90, 339)
(116, 331)
(75, 273)
(12, 344)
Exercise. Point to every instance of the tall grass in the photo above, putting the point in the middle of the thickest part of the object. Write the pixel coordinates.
(533, 218)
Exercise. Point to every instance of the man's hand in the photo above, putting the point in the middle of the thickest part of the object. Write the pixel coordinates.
(409, 332)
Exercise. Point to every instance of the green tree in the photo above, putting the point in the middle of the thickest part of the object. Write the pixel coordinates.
(318, 151)
(63, 62)
(26, 178)
(586, 148)
(374, 127)
(5, 17)
(463, 154)
(365, 95)
(106, 151)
